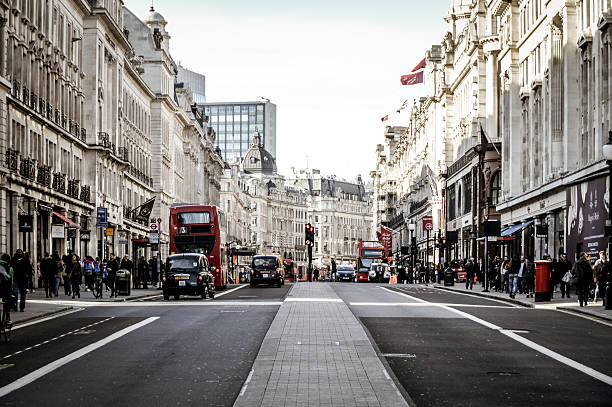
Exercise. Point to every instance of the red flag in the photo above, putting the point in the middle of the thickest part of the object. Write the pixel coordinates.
(412, 78)
(420, 65)
(385, 118)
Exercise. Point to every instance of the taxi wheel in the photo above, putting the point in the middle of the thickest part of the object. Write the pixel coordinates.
(177, 296)
(203, 293)
(211, 292)
(282, 281)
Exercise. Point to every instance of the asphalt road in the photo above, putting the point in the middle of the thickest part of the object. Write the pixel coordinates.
(195, 352)
(444, 358)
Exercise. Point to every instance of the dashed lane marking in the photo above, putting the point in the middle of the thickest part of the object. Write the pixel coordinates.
(29, 378)
(511, 334)
(74, 331)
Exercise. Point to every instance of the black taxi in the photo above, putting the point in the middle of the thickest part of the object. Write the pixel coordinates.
(188, 274)
(267, 269)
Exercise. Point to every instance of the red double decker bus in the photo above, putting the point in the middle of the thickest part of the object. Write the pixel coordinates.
(195, 229)
(369, 252)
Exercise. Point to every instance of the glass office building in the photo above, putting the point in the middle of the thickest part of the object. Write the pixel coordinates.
(234, 123)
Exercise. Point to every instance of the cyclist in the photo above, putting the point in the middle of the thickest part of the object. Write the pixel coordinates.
(98, 268)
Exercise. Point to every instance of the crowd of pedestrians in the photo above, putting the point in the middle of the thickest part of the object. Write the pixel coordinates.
(516, 275)
(17, 274)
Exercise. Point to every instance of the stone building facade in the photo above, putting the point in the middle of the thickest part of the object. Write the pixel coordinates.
(524, 113)
(89, 118)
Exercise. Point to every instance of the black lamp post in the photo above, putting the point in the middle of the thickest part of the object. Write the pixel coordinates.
(607, 153)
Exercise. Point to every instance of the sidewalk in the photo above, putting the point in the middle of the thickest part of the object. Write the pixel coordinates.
(594, 309)
(37, 306)
(317, 353)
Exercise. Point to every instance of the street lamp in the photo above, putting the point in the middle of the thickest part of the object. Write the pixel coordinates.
(607, 153)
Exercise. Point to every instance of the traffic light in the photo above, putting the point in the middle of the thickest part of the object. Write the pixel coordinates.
(309, 234)
(441, 242)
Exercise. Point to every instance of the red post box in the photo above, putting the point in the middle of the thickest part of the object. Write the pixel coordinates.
(543, 269)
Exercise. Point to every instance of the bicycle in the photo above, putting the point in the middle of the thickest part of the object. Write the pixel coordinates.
(6, 325)
(97, 287)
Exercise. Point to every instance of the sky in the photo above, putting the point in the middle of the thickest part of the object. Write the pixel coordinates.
(332, 67)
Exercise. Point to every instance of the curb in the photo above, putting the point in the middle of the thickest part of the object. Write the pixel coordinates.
(494, 297)
(46, 314)
(582, 312)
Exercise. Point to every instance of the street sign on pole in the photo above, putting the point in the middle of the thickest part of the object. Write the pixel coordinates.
(102, 217)
(153, 237)
(427, 223)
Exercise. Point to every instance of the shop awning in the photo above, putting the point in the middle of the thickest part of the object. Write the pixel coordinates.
(70, 223)
(509, 231)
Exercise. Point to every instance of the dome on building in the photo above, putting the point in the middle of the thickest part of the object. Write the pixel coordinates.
(154, 17)
(257, 159)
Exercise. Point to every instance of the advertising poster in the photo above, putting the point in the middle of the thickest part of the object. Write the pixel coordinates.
(587, 211)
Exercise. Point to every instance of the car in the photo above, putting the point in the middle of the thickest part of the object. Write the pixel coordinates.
(345, 273)
(188, 274)
(379, 273)
(267, 269)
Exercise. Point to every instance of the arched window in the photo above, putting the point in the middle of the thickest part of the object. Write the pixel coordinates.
(495, 188)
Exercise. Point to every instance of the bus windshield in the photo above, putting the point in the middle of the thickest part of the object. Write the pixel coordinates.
(378, 253)
(188, 218)
(366, 263)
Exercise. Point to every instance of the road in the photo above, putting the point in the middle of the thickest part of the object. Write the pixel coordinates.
(194, 352)
(441, 357)
(441, 348)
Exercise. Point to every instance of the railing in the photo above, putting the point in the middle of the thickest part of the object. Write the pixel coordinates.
(59, 182)
(104, 140)
(16, 88)
(49, 111)
(73, 188)
(27, 168)
(34, 101)
(12, 159)
(44, 175)
(42, 107)
(123, 154)
(86, 193)
(26, 95)
(77, 130)
(63, 119)
(58, 116)
(140, 175)
(83, 134)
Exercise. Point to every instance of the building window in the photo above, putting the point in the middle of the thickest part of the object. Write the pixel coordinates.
(495, 188)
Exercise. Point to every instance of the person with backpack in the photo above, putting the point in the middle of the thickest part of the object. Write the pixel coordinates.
(88, 273)
(76, 277)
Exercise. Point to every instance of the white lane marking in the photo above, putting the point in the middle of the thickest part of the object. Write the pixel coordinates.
(230, 291)
(176, 304)
(37, 321)
(538, 348)
(578, 314)
(74, 331)
(479, 297)
(299, 299)
(412, 304)
(30, 377)
(246, 383)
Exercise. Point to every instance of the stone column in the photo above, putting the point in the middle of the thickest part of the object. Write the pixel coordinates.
(571, 99)
(556, 99)
(3, 46)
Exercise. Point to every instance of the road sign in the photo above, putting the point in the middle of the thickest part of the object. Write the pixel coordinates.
(427, 223)
(85, 235)
(153, 237)
(154, 226)
(102, 217)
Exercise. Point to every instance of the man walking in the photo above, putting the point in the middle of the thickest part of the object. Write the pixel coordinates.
(584, 276)
(48, 269)
(602, 271)
(470, 269)
(153, 266)
(21, 269)
(515, 265)
(564, 267)
(112, 266)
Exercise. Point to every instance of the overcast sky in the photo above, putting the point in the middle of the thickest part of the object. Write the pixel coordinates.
(332, 67)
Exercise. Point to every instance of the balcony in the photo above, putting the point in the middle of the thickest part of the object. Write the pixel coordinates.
(27, 168)
(49, 111)
(83, 134)
(26, 96)
(123, 154)
(58, 117)
(34, 101)
(141, 176)
(104, 140)
(12, 160)
(85, 193)
(44, 175)
(73, 188)
(42, 107)
(16, 88)
(59, 182)
(63, 121)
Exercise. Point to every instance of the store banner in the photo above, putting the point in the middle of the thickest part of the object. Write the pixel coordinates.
(587, 211)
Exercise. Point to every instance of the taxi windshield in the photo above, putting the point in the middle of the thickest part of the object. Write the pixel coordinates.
(267, 262)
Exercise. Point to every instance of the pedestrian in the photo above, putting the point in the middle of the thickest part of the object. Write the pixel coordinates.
(76, 277)
(6, 285)
(153, 269)
(22, 269)
(584, 277)
(31, 273)
(59, 267)
(529, 284)
(88, 267)
(513, 267)
(470, 270)
(111, 267)
(522, 274)
(564, 266)
(601, 269)
(48, 270)
(141, 271)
